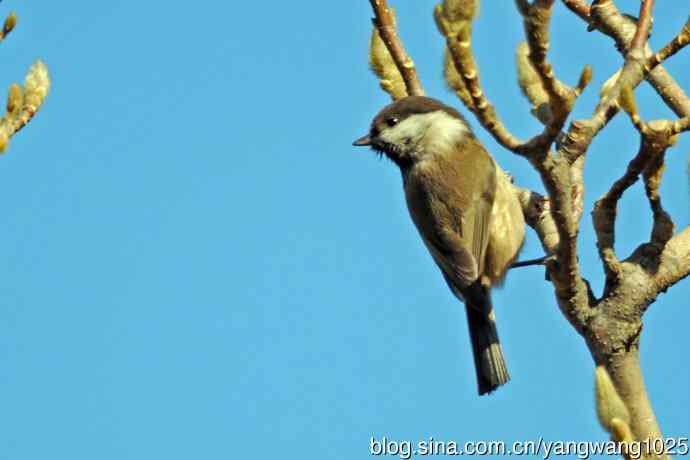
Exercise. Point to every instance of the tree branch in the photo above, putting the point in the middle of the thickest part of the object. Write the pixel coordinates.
(385, 24)
(644, 25)
(681, 126)
(675, 45)
(573, 294)
(536, 18)
(656, 138)
(605, 17)
(675, 261)
(612, 324)
(454, 21)
(537, 212)
(22, 103)
(578, 7)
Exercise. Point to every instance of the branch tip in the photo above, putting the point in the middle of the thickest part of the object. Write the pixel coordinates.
(585, 79)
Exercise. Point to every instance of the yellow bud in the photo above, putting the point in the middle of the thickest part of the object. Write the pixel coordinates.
(585, 77)
(36, 85)
(3, 141)
(609, 404)
(455, 82)
(531, 85)
(626, 99)
(454, 17)
(10, 22)
(460, 10)
(14, 98)
(383, 65)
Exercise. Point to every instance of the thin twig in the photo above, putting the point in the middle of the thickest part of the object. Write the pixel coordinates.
(656, 138)
(675, 45)
(572, 292)
(459, 44)
(680, 126)
(531, 262)
(644, 24)
(578, 7)
(523, 6)
(605, 17)
(536, 20)
(611, 22)
(386, 26)
(604, 213)
(662, 228)
(675, 261)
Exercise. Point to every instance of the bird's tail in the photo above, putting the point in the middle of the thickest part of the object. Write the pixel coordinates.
(488, 357)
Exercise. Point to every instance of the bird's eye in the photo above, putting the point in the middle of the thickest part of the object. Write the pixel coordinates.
(392, 121)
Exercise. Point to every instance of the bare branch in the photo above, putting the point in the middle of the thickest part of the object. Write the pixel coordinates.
(605, 210)
(456, 27)
(456, 82)
(536, 20)
(572, 292)
(644, 24)
(656, 138)
(680, 126)
(663, 227)
(531, 262)
(382, 64)
(531, 85)
(567, 192)
(605, 17)
(672, 94)
(385, 24)
(675, 261)
(578, 7)
(612, 324)
(537, 212)
(675, 45)
(523, 6)
(562, 181)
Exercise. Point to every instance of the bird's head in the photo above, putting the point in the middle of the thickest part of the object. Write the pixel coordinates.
(413, 127)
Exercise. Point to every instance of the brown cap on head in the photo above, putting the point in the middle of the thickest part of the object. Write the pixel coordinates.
(414, 105)
(403, 108)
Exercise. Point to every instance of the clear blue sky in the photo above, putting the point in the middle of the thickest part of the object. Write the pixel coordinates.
(197, 264)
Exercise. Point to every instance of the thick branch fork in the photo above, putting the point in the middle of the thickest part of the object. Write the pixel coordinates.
(612, 323)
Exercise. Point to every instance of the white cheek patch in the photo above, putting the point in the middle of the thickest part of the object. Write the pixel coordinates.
(426, 132)
(409, 131)
(444, 132)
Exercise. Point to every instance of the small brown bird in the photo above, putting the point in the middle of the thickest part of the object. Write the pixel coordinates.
(464, 207)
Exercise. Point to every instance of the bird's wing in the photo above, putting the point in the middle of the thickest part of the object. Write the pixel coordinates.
(459, 249)
(452, 217)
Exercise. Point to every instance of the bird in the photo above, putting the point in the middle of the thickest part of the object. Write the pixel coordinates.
(464, 207)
